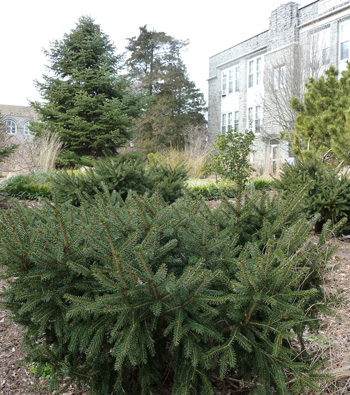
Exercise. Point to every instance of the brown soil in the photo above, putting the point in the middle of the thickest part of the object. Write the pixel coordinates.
(333, 340)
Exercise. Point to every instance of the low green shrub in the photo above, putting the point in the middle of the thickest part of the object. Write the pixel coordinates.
(123, 173)
(41, 372)
(216, 190)
(29, 186)
(327, 190)
(141, 297)
(156, 159)
(168, 181)
(212, 191)
(260, 183)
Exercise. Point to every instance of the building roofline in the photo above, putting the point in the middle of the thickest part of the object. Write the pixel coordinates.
(307, 5)
(242, 56)
(242, 42)
(14, 105)
(323, 16)
(266, 31)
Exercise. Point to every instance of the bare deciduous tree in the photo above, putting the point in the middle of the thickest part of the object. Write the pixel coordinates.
(283, 80)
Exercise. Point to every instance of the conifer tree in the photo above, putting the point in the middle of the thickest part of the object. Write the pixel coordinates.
(175, 103)
(322, 127)
(86, 101)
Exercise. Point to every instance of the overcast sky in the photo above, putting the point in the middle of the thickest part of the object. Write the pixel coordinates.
(27, 27)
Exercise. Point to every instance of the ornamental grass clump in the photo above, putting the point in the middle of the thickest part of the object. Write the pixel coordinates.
(141, 296)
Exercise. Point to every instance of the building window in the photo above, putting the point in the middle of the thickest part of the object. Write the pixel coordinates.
(274, 153)
(325, 56)
(258, 71)
(236, 124)
(223, 124)
(11, 127)
(26, 129)
(250, 74)
(224, 82)
(344, 50)
(250, 118)
(237, 79)
(257, 118)
(229, 121)
(279, 77)
(344, 36)
(282, 77)
(320, 50)
(230, 81)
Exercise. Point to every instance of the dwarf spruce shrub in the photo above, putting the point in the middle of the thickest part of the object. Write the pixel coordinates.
(139, 296)
(327, 190)
(124, 173)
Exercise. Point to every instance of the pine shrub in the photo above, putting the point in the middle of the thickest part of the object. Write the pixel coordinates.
(123, 173)
(327, 190)
(139, 296)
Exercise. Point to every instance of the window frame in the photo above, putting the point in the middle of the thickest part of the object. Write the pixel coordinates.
(10, 128)
(251, 73)
(258, 118)
(224, 83)
(344, 38)
(258, 71)
(326, 56)
(223, 123)
(346, 50)
(230, 81)
(250, 115)
(236, 121)
(237, 79)
(26, 129)
(229, 121)
(279, 77)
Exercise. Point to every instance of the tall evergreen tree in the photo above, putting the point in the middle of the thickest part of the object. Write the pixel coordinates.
(322, 127)
(86, 102)
(175, 103)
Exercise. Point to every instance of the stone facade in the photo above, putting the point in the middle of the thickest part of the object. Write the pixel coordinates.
(249, 83)
(17, 120)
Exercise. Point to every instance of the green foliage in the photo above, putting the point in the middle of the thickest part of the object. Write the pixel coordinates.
(169, 181)
(123, 173)
(85, 100)
(213, 191)
(156, 159)
(260, 183)
(216, 190)
(231, 159)
(139, 296)
(327, 190)
(174, 103)
(42, 372)
(29, 186)
(322, 128)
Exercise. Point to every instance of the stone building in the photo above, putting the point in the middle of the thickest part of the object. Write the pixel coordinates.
(250, 84)
(17, 120)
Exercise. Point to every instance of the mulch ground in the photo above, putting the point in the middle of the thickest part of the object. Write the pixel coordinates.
(333, 341)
